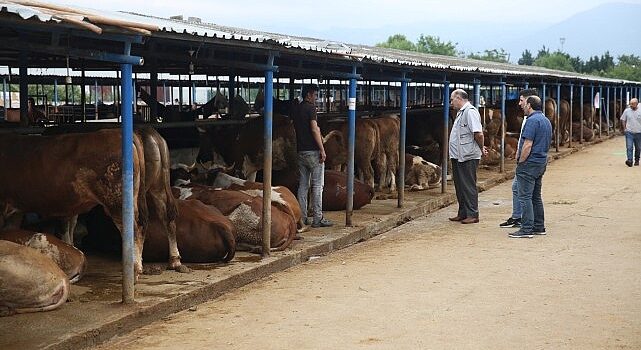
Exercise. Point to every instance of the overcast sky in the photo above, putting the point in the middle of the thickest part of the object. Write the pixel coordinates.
(319, 15)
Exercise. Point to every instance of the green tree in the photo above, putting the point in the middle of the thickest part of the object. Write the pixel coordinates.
(628, 67)
(526, 58)
(493, 55)
(434, 45)
(399, 42)
(556, 60)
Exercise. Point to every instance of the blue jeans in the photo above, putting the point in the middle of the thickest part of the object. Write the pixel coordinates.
(517, 211)
(633, 140)
(310, 168)
(529, 178)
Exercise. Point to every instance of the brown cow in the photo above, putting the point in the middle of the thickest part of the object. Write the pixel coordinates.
(71, 260)
(588, 133)
(71, 179)
(564, 122)
(387, 163)
(204, 235)
(245, 212)
(367, 149)
(29, 281)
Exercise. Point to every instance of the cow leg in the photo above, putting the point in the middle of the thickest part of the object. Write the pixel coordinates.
(69, 228)
(159, 208)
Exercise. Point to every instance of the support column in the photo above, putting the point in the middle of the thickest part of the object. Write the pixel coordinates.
(83, 95)
(581, 107)
(95, 98)
(571, 112)
(477, 93)
(607, 110)
(4, 97)
(267, 158)
(351, 145)
(557, 139)
(600, 111)
(153, 91)
(446, 123)
(128, 252)
(231, 88)
(503, 95)
(400, 187)
(592, 107)
(24, 89)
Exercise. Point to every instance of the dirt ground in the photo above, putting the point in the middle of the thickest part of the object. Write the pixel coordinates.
(433, 284)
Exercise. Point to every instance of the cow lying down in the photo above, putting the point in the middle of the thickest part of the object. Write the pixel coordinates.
(29, 280)
(71, 260)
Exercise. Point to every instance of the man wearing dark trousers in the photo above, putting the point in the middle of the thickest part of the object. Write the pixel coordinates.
(466, 148)
(532, 158)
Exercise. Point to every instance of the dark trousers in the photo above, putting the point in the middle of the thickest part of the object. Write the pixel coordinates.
(464, 175)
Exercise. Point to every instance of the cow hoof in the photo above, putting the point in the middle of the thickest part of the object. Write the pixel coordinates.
(152, 269)
(305, 228)
(182, 269)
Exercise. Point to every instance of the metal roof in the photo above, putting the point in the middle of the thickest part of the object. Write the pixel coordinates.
(363, 53)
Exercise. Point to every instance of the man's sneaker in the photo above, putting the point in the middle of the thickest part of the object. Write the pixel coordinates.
(322, 223)
(307, 220)
(539, 232)
(511, 223)
(628, 163)
(636, 162)
(520, 234)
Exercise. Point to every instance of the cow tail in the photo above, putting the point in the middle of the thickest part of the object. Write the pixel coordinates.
(229, 239)
(172, 208)
(143, 208)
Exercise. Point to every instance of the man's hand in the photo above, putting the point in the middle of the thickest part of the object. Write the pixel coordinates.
(323, 156)
(484, 150)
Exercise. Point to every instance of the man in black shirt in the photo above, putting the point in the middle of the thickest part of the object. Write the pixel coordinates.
(311, 155)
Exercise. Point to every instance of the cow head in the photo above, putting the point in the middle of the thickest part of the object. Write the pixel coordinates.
(335, 149)
(422, 175)
(220, 101)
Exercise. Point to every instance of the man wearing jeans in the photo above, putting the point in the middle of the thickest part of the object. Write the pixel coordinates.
(515, 219)
(532, 158)
(631, 124)
(311, 156)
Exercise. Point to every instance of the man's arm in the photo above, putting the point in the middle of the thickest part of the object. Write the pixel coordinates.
(525, 152)
(480, 140)
(316, 134)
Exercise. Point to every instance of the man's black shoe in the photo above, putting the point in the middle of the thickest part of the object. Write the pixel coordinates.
(511, 223)
(636, 162)
(520, 234)
(539, 232)
(628, 163)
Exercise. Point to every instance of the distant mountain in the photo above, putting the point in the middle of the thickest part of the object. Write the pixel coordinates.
(611, 27)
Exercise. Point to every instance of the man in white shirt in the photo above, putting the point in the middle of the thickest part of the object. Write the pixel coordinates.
(465, 149)
(631, 125)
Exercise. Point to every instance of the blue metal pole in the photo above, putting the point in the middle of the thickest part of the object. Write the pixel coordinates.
(95, 98)
(446, 122)
(267, 158)
(128, 253)
(503, 93)
(401, 144)
(55, 92)
(24, 89)
(351, 144)
(4, 96)
(543, 95)
(164, 92)
(581, 108)
(193, 90)
(557, 139)
(477, 93)
(526, 85)
(600, 110)
(571, 112)
(607, 109)
(592, 106)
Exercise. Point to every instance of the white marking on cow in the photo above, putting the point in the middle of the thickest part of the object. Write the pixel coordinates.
(182, 182)
(182, 166)
(247, 224)
(249, 169)
(185, 192)
(225, 180)
(183, 155)
(276, 197)
(40, 243)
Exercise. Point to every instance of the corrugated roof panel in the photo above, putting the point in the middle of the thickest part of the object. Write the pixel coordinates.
(360, 52)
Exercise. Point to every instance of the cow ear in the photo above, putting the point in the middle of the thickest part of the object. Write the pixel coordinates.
(424, 162)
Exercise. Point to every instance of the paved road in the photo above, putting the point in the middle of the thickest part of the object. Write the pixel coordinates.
(432, 284)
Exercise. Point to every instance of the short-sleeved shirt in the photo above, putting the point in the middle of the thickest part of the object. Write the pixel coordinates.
(462, 146)
(538, 129)
(302, 114)
(632, 119)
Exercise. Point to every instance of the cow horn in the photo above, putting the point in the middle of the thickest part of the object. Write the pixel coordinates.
(228, 169)
(203, 165)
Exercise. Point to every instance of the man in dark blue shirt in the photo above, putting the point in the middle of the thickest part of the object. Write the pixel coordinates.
(532, 161)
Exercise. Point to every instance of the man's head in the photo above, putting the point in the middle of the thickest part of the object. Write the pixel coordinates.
(634, 103)
(458, 98)
(532, 104)
(310, 92)
(524, 94)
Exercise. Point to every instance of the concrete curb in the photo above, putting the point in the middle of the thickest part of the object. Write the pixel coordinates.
(142, 315)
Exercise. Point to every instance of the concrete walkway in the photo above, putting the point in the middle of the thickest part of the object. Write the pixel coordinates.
(433, 284)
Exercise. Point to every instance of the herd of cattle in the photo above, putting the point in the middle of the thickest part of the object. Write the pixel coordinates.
(198, 204)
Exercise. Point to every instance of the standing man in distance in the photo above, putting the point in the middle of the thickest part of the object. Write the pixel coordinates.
(532, 159)
(311, 155)
(515, 219)
(466, 148)
(631, 126)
